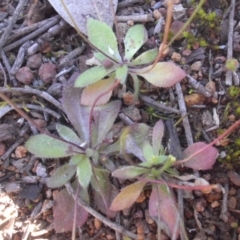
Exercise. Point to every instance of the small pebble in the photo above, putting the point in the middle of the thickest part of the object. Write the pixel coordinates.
(20, 152)
(35, 61)
(156, 14)
(47, 72)
(197, 66)
(194, 99)
(24, 75)
(97, 223)
(2, 148)
(133, 113)
(234, 177)
(213, 196)
(232, 191)
(232, 202)
(176, 57)
(215, 204)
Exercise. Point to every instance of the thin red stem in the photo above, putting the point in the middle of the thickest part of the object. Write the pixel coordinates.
(197, 187)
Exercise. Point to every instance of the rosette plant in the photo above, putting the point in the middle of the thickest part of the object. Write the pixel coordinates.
(113, 68)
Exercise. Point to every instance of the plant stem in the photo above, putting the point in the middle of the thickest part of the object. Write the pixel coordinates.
(228, 131)
(93, 106)
(165, 36)
(188, 22)
(75, 214)
(196, 187)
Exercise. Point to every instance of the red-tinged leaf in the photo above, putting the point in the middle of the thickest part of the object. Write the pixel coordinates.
(203, 160)
(129, 172)
(104, 192)
(164, 74)
(91, 92)
(163, 202)
(157, 135)
(127, 196)
(63, 212)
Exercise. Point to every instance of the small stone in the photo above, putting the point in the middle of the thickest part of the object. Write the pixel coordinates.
(20, 152)
(48, 193)
(232, 202)
(197, 66)
(232, 191)
(133, 113)
(176, 57)
(200, 205)
(41, 171)
(194, 99)
(234, 177)
(40, 122)
(24, 75)
(176, 26)
(35, 61)
(213, 196)
(130, 23)
(156, 14)
(215, 204)
(186, 52)
(130, 99)
(47, 72)
(178, 11)
(97, 223)
(2, 148)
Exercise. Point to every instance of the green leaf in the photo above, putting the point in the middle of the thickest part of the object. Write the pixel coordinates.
(147, 150)
(129, 172)
(164, 74)
(76, 159)
(68, 134)
(92, 75)
(127, 196)
(121, 74)
(139, 132)
(157, 135)
(91, 92)
(113, 148)
(84, 171)
(145, 58)
(61, 176)
(102, 36)
(48, 147)
(135, 38)
(167, 164)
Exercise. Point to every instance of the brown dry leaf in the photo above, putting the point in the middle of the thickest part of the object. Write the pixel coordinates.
(63, 212)
(194, 99)
(234, 177)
